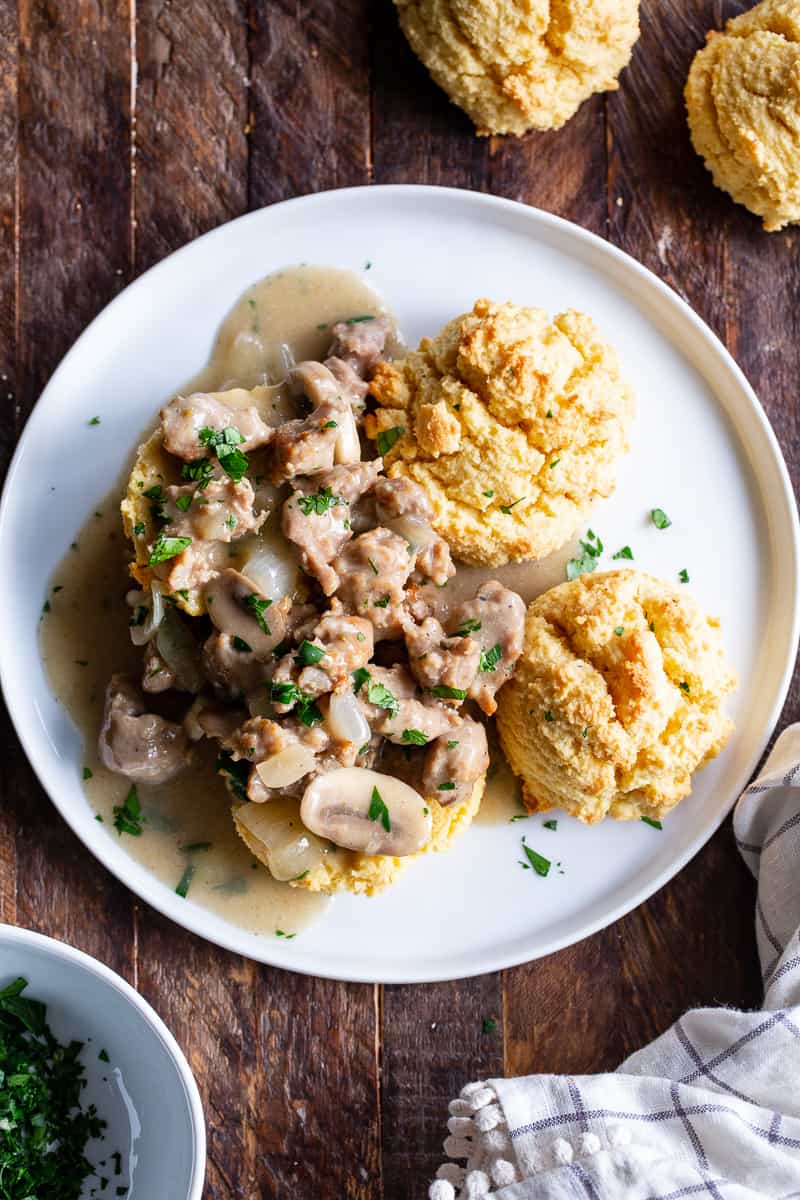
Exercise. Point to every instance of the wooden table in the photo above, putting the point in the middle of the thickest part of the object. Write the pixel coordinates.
(127, 127)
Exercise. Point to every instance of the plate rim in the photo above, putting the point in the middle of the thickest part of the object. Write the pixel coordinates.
(230, 937)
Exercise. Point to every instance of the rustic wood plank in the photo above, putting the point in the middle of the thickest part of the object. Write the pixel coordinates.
(310, 98)
(74, 136)
(8, 383)
(191, 122)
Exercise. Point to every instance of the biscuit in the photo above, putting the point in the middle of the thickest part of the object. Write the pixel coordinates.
(515, 67)
(366, 875)
(617, 699)
(512, 423)
(743, 102)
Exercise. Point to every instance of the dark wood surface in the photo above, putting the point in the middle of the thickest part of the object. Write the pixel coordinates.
(128, 127)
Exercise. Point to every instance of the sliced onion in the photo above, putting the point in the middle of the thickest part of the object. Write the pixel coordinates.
(153, 601)
(180, 652)
(287, 766)
(277, 836)
(271, 569)
(348, 447)
(414, 530)
(345, 720)
(288, 361)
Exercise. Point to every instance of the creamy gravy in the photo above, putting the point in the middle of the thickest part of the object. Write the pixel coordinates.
(84, 636)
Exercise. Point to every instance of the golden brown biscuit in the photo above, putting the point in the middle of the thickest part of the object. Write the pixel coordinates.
(512, 423)
(617, 698)
(363, 874)
(514, 67)
(743, 101)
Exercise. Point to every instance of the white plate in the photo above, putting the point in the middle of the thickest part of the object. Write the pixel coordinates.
(702, 450)
(144, 1089)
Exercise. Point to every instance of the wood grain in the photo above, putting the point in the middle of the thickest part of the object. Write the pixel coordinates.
(74, 200)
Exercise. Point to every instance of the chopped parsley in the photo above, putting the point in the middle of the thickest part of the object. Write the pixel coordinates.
(237, 772)
(138, 529)
(489, 1025)
(318, 503)
(287, 936)
(415, 737)
(139, 615)
(443, 692)
(554, 463)
(684, 687)
(447, 786)
(128, 816)
(551, 825)
(201, 472)
(166, 548)
(549, 414)
(185, 880)
(381, 696)
(257, 606)
(683, 575)
(184, 502)
(374, 568)
(660, 518)
(224, 443)
(388, 437)
(330, 425)
(540, 864)
(242, 646)
(95, 421)
(625, 552)
(103, 1056)
(358, 320)
(619, 630)
(195, 847)
(308, 654)
(360, 677)
(548, 716)
(44, 1129)
(587, 561)
(290, 693)
(490, 658)
(506, 508)
(87, 773)
(452, 745)
(652, 823)
(383, 602)
(378, 810)
(468, 627)
(489, 494)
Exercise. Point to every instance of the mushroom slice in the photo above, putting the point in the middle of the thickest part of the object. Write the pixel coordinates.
(365, 811)
(238, 609)
(321, 386)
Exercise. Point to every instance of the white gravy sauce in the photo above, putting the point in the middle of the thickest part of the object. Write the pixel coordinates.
(84, 636)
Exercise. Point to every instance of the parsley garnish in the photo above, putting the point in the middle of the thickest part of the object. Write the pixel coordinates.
(103, 1056)
(95, 421)
(374, 568)
(468, 627)
(625, 552)
(652, 822)
(200, 472)
(128, 816)
(619, 630)
(44, 1129)
(490, 658)
(551, 825)
(592, 549)
(382, 603)
(378, 810)
(660, 518)
(183, 502)
(357, 320)
(382, 697)
(318, 502)
(489, 494)
(224, 443)
(540, 864)
(242, 646)
(138, 529)
(360, 677)
(415, 737)
(554, 463)
(683, 575)
(308, 654)
(684, 687)
(447, 786)
(236, 770)
(257, 606)
(166, 548)
(387, 438)
(195, 847)
(452, 745)
(443, 692)
(548, 716)
(185, 880)
(489, 1025)
(506, 508)
(287, 936)
(87, 773)
(290, 693)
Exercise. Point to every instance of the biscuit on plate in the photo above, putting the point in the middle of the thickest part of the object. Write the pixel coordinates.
(365, 874)
(515, 67)
(512, 423)
(617, 699)
(743, 101)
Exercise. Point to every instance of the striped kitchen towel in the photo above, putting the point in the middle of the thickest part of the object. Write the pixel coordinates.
(710, 1110)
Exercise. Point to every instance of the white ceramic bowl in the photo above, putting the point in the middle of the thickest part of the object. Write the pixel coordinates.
(145, 1092)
